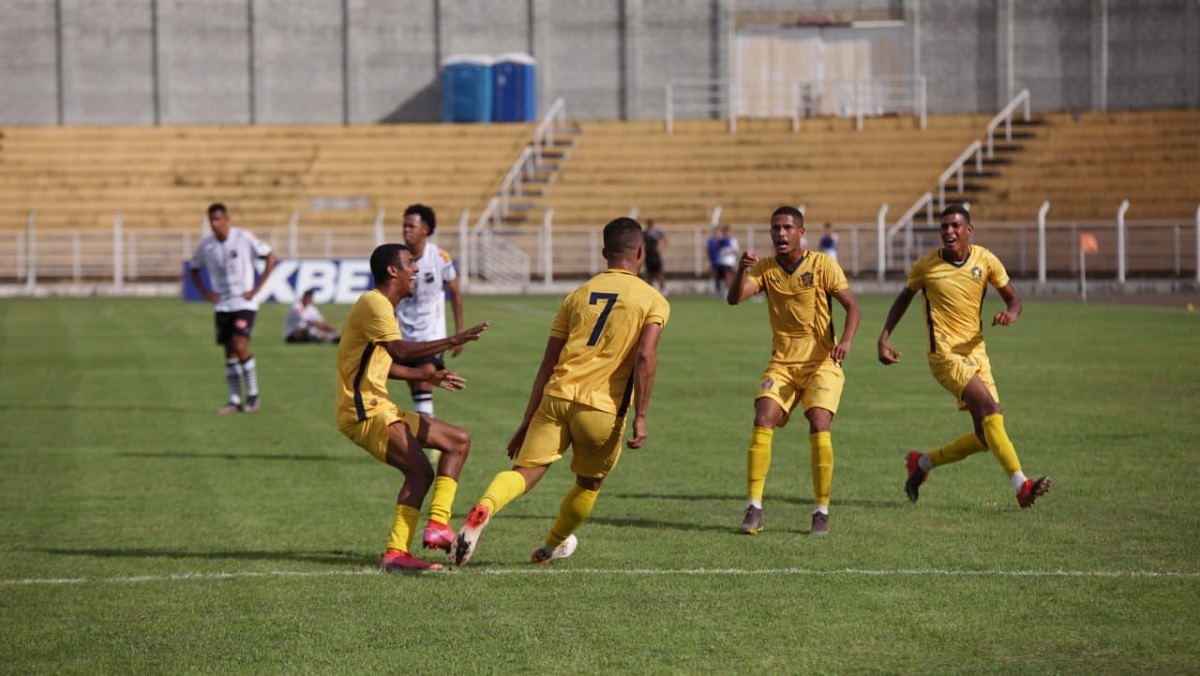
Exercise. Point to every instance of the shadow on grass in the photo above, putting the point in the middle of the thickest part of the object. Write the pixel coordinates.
(242, 456)
(740, 500)
(335, 557)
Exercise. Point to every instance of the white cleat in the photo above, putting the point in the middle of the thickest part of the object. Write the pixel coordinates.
(544, 554)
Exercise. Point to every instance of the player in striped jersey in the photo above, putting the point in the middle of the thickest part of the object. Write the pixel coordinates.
(227, 256)
(954, 280)
(600, 361)
(422, 315)
(371, 352)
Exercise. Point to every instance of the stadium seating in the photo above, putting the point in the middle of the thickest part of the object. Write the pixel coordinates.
(838, 173)
(1086, 164)
(165, 177)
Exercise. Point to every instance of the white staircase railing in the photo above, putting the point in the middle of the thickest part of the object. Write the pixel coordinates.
(956, 168)
(1005, 116)
(905, 221)
(529, 161)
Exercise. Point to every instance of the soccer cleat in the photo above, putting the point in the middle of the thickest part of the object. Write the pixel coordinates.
(753, 523)
(403, 562)
(230, 408)
(1032, 490)
(468, 535)
(820, 524)
(251, 405)
(916, 476)
(438, 536)
(545, 555)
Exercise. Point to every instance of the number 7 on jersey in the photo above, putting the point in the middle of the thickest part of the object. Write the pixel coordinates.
(609, 299)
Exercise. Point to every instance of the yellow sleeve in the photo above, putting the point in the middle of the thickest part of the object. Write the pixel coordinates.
(660, 310)
(756, 272)
(916, 276)
(997, 274)
(835, 277)
(561, 328)
(380, 324)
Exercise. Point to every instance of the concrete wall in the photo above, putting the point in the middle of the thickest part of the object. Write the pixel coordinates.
(28, 63)
(204, 61)
(140, 62)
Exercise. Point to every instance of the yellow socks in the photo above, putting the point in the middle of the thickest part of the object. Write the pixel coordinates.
(998, 442)
(956, 450)
(442, 499)
(758, 461)
(505, 487)
(575, 508)
(822, 466)
(403, 528)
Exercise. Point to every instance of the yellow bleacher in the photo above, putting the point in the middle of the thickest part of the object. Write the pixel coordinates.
(838, 173)
(1086, 164)
(164, 177)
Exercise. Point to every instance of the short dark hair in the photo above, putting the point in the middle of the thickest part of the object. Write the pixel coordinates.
(383, 256)
(621, 235)
(959, 209)
(426, 214)
(216, 207)
(786, 210)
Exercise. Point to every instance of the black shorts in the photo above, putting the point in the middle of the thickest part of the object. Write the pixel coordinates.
(436, 360)
(230, 324)
(654, 264)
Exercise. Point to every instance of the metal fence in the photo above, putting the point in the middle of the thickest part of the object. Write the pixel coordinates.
(1152, 249)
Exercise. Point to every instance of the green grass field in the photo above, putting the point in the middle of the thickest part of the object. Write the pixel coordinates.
(143, 533)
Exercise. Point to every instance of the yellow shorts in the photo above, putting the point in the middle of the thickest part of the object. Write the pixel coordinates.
(594, 437)
(372, 433)
(812, 385)
(954, 371)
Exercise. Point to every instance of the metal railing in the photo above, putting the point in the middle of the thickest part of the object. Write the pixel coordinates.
(1005, 116)
(529, 160)
(698, 98)
(956, 169)
(796, 99)
(502, 257)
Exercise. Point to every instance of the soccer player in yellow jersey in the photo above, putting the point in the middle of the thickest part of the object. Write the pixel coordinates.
(954, 279)
(806, 356)
(368, 355)
(599, 361)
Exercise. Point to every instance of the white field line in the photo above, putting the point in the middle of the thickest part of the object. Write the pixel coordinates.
(699, 572)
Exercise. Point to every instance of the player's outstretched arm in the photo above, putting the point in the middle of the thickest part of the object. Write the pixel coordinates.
(887, 355)
(554, 347)
(1012, 308)
(853, 318)
(741, 288)
(447, 380)
(406, 350)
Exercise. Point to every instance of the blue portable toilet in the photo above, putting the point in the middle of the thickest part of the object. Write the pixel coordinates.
(467, 88)
(514, 88)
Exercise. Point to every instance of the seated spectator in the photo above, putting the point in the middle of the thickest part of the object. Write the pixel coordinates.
(306, 325)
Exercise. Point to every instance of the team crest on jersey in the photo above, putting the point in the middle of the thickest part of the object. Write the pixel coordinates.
(976, 273)
(806, 279)
(429, 278)
(767, 384)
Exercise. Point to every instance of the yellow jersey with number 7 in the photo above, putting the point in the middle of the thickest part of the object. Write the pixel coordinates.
(602, 321)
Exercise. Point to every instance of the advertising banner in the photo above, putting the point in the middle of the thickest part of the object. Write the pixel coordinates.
(332, 281)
